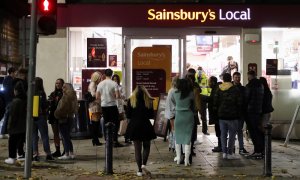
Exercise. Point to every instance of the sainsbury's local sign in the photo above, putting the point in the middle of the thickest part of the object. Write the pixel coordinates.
(201, 16)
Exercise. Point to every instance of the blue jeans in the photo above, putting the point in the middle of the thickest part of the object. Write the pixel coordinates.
(228, 127)
(65, 130)
(240, 133)
(40, 125)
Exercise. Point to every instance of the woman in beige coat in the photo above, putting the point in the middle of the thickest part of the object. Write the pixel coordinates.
(65, 111)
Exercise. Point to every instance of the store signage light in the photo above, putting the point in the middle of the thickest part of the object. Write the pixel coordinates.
(202, 16)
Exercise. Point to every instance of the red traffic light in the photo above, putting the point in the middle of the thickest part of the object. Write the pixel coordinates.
(46, 5)
(46, 17)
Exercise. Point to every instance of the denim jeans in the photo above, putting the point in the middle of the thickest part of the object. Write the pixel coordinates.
(65, 130)
(240, 133)
(40, 125)
(228, 127)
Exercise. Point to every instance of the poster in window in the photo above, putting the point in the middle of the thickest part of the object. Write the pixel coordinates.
(112, 60)
(161, 123)
(96, 52)
(271, 66)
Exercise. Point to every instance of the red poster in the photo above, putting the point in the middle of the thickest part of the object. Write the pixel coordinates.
(112, 60)
(96, 52)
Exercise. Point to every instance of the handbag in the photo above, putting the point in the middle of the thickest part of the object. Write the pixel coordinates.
(123, 127)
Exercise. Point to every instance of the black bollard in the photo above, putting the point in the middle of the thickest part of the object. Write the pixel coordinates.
(109, 148)
(268, 150)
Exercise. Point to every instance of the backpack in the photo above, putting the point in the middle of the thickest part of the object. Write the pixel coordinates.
(88, 97)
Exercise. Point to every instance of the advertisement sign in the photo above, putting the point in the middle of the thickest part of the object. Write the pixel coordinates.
(112, 59)
(96, 52)
(271, 67)
(151, 67)
(161, 123)
(204, 43)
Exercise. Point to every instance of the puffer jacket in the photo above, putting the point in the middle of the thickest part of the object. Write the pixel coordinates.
(17, 115)
(254, 96)
(228, 101)
(66, 107)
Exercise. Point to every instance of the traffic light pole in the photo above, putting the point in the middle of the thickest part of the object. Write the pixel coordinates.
(31, 75)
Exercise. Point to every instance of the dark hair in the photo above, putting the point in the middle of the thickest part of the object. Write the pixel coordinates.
(191, 71)
(11, 70)
(264, 82)
(227, 77)
(20, 89)
(184, 87)
(108, 72)
(191, 77)
(61, 80)
(39, 87)
(236, 74)
(252, 73)
(118, 78)
(213, 79)
(23, 71)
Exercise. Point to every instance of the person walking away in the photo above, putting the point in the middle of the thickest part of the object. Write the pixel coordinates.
(267, 107)
(170, 113)
(95, 108)
(254, 102)
(140, 130)
(184, 118)
(120, 101)
(16, 125)
(212, 113)
(53, 99)
(65, 112)
(240, 134)
(108, 93)
(40, 123)
(204, 96)
(228, 102)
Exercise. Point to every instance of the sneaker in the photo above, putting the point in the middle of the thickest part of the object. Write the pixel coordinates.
(64, 157)
(36, 158)
(21, 157)
(255, 156)
(224, 156)
(232, 156)
(243, 151)
(143, 166)
(49, 158)
(139, 174)
(10, 161)
(56, 154)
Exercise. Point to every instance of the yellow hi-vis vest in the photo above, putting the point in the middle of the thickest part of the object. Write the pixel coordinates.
(203, 83)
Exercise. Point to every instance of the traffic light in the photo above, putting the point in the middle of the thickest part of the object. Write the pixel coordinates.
(46, 17)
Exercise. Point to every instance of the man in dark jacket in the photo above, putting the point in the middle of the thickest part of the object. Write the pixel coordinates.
(228, 103)
(254, 100)
(237, 82)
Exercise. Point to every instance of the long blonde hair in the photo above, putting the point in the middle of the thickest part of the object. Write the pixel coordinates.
(146, 96)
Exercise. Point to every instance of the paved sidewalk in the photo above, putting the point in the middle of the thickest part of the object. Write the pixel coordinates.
(89, 163)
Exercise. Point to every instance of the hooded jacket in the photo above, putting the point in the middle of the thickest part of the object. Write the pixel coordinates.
(228, 101)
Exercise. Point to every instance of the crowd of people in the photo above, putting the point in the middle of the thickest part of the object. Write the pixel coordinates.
(229, 106)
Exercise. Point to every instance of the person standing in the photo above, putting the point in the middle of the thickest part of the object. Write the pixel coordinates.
(95, 108)
(66, 109)
(254, 101)
(40, 122)
(184, 119)
(108, 93)
(53, 99)
(240, 134)
(228, 102)
(140, 130)
(8, 85)
(267, 107)
(16, 125)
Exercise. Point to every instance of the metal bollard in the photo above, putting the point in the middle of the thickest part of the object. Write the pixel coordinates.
(268, 150)
(109, 148)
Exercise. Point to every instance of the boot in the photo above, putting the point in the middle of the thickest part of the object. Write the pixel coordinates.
(187, 149)
(219, 147)
(57, 152)
(178, 153)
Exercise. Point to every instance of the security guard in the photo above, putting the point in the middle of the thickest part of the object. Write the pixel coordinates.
(202, 80)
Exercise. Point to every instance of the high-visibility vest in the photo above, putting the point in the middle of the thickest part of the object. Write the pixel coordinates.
(203, 83)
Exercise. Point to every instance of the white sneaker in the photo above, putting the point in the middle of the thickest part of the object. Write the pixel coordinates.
(139, 174)
(232, 156)
(10, 161)
(224, 156)
(143, 166)
(64, 157)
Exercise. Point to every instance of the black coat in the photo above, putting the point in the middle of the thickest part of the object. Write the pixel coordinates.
(140, 127)
(267, 102)
(254, 96)
(17, 115)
